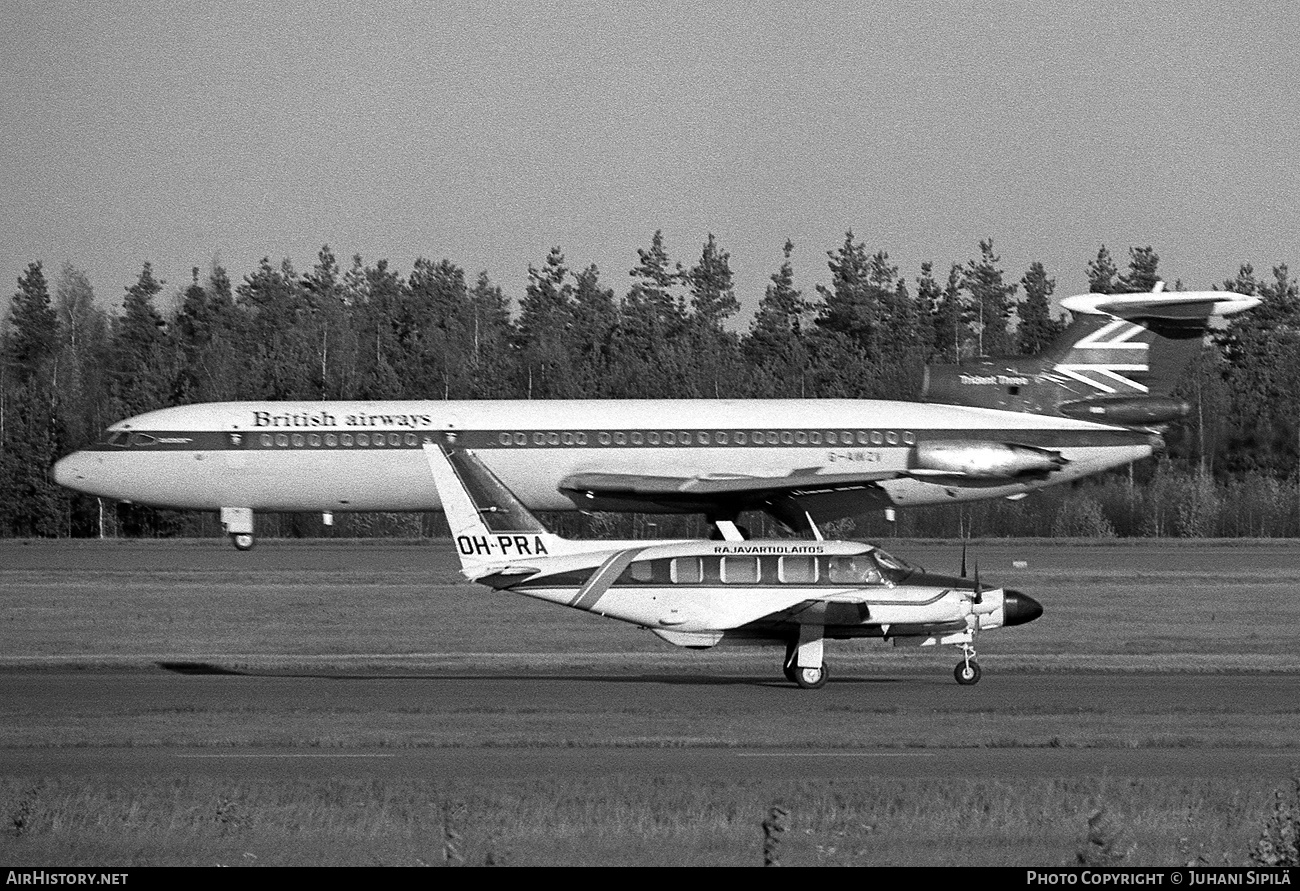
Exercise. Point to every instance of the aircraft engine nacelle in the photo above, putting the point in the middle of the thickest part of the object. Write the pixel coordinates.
(985, 460)
(1130, 411)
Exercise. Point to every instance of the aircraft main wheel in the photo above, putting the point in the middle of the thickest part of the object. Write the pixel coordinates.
(811, 678)
(243, 541)
(967, 673)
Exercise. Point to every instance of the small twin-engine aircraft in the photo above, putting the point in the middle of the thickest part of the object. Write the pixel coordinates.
(1092, 402)
(696, 594)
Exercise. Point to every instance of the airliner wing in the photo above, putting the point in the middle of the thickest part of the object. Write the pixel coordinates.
(827, 496)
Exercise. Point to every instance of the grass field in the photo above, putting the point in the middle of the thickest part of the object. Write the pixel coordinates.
(666, 821)
(1123, 608)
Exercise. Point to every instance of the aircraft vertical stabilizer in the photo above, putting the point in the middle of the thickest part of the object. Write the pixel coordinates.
(490, 526)
(1118, 362)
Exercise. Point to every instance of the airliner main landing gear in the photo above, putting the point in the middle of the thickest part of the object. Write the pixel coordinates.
(238, 524)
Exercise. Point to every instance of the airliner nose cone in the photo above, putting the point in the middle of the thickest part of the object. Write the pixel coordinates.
(66, 470)
(1019, 609)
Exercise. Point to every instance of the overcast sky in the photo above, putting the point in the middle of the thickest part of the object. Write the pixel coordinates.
(486, 133)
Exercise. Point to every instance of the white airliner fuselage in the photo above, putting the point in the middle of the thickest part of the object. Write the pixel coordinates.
(365, 456)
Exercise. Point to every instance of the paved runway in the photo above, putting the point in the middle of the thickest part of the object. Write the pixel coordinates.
(703, 763)
(712, 707)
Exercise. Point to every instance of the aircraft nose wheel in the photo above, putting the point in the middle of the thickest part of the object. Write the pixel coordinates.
(811, 678)
(967, 673)
(242, 541)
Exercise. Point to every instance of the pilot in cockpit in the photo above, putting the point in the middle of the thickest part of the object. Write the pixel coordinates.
(858, 570)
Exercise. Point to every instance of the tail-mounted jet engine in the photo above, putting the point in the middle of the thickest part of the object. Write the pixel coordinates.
(985, 460)
(1129, 411)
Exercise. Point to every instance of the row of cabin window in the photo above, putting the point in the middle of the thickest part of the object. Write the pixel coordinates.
(334, 440)
(718, 437)
(746, 570)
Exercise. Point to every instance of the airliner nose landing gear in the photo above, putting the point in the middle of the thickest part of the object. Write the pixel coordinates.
(238, 524)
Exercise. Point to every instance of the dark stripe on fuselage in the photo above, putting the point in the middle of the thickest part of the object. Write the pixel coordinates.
(603, 578)
(848, 444)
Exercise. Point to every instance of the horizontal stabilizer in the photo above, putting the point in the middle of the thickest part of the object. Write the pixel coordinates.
(1178, 306)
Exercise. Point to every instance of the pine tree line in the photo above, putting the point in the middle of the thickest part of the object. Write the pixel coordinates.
(367, 332)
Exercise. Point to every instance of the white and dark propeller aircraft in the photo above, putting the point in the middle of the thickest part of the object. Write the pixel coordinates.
(1094, 401)
(697, 594)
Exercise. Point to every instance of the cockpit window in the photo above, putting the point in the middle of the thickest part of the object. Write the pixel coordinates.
(896, 567)
(142, 439)
(116, 438)
(858, 570)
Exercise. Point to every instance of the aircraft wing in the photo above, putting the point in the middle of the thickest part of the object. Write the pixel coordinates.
(825, 496)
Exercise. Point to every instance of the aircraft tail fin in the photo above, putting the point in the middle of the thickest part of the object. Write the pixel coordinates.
(494, 533)
(1117, 362)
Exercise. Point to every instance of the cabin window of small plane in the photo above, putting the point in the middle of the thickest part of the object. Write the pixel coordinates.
(581, 438)
(786, 437)
(741, 438)
(720, 437)
(331, 440)
(687, 571)
(602, 438)
(772, 438)
(637, 438)
(702, 438)
(346, 439)
(670, 438)
(876, 438)
(858, 570)
(504, 438)
(313, 440)
(642, 571)
(815, 437)
(740, 570)
(684, 438)
(267, 441)
(800, 437)
(891, 437)
(909, 437)
(363, 439)
(620, 438)
(281, 439)
(297, 440)
(412, 439)
(566, 439)
(377, 439)
(539, 439)
(521, 439)
(797, 570)
(652, 437)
